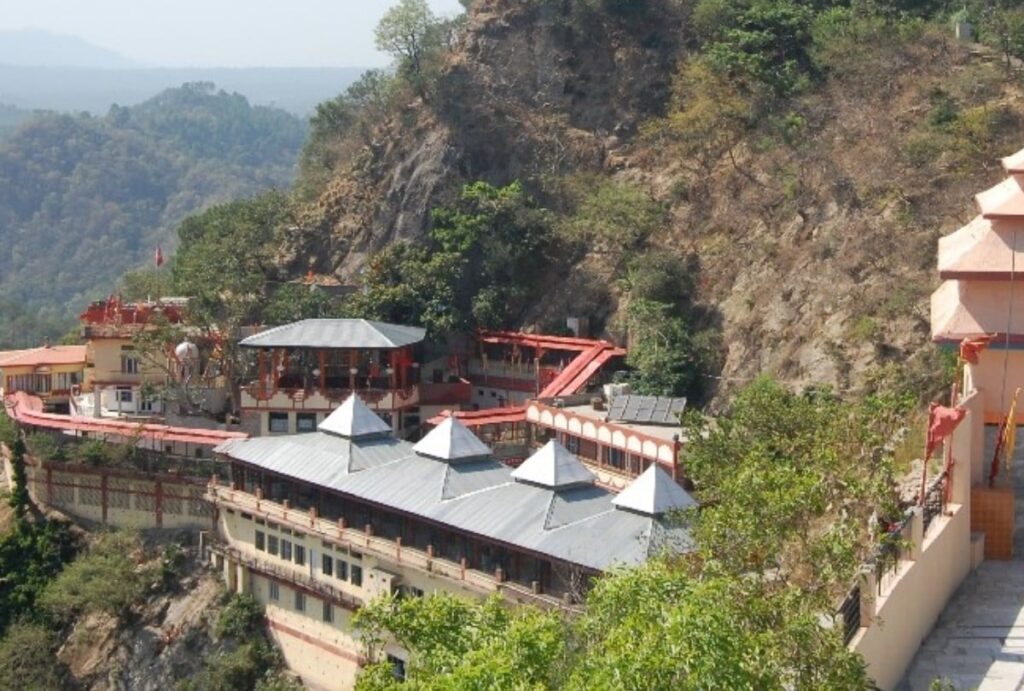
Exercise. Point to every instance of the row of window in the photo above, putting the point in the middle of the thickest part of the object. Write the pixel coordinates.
(294, 552)
(327, 609)
(304, 422)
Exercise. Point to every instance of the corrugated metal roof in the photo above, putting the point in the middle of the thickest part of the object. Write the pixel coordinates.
(577, 524)
(553, 466)
(654, 493)
(336, 333)
(451, 441)
(353, 419)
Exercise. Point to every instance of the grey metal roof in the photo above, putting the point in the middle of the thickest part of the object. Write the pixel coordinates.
(648, 410)
(553, 466)
(353, 419)
(654, 493)
(336, 333)
(451, 441)
(577, 524)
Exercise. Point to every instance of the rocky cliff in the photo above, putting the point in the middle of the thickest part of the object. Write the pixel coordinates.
(815, 231)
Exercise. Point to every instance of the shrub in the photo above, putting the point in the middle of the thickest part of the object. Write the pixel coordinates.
(107, 578)
(241, 617)
(28, 660)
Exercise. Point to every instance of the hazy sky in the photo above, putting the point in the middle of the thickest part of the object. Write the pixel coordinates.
(218, 33)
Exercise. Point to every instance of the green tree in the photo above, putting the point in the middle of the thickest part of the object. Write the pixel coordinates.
(28, 660)
(415, 37)
(19, 499)
(611, 217)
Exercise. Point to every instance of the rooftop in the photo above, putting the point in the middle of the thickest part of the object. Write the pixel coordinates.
(1005, 200)
(647, 410)
(44, 356)
(336, 333)
(982, 249)
(352, 421)
(575, 522)
(664, 432)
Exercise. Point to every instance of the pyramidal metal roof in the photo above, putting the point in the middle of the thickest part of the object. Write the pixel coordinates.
(336, 333)
(654, 493)
(451, 441)
(352, 419)
(553, 466)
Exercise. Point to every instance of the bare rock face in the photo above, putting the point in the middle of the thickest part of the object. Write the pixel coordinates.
(816, 248)
(534, 89)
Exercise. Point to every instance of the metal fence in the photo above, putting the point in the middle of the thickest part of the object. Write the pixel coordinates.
(934, 500)
(849, 614)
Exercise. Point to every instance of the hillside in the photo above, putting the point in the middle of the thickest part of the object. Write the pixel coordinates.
(804, 193)
(83, 199)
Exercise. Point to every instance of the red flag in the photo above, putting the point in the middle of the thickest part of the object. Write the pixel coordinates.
(970, 347)
(941, 423)
(158, 257)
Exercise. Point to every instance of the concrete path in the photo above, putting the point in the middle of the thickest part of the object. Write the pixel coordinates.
(978, 642)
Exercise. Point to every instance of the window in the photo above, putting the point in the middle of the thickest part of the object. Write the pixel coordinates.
(124, 395)
(300, 601)
(246, 516)
(300, 555)
(261, 541)
(397, 667)
(129, 362)
(327, 565)
(278, 423)
(341, 570)
(357, 575)
(275, 591)
(286, 550)
(410, 591)
(272, 544)
(572, 443)
(615, 457)
(328, 613)
(305, 422)
(146, 405)
(260, 521)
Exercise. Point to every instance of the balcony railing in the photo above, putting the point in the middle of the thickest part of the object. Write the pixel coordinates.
(392, 551)
(257, 395)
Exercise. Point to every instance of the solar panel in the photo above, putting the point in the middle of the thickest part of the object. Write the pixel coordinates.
(648, 410)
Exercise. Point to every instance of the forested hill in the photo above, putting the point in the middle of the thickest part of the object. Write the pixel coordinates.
(83, 199)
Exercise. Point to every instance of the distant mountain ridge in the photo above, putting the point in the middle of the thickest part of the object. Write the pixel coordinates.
(37, 47)
(71, 89)
(84, 199)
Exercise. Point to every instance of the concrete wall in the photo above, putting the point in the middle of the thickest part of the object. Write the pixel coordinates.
(896, 621)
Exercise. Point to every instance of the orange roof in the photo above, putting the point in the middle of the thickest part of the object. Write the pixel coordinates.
(46, 355)
(27, 409)
(479, 418)
(1014, 163)
(1005, 200)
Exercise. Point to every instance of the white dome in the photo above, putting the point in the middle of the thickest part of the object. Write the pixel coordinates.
(186, 351)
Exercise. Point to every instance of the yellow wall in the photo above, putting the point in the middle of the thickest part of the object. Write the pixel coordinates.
(105, 356)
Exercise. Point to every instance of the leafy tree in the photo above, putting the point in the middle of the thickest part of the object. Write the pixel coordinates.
(481, 266)
(19, 499)
(30, 556)
(768, 45)
(609, 216)
(107, 578)
(413, 35)
(28, 660)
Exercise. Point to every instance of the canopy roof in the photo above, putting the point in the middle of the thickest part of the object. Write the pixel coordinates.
(451, 441)
(1005, 200)
(654, 493)
(337, 333)
(555, 467)
(983, 250)
(353, 419)
(962, 309)
(1014, 163)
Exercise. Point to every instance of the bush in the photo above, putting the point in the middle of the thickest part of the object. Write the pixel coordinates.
(612, 217)
(28, 660)
(241, 618)
(107, 578)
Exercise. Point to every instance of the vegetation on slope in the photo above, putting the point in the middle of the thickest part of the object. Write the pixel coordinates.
(82, 199)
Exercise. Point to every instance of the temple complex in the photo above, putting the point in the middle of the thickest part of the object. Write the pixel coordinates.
(314, 525)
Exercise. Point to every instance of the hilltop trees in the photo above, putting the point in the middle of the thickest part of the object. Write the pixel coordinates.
(416, 38)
